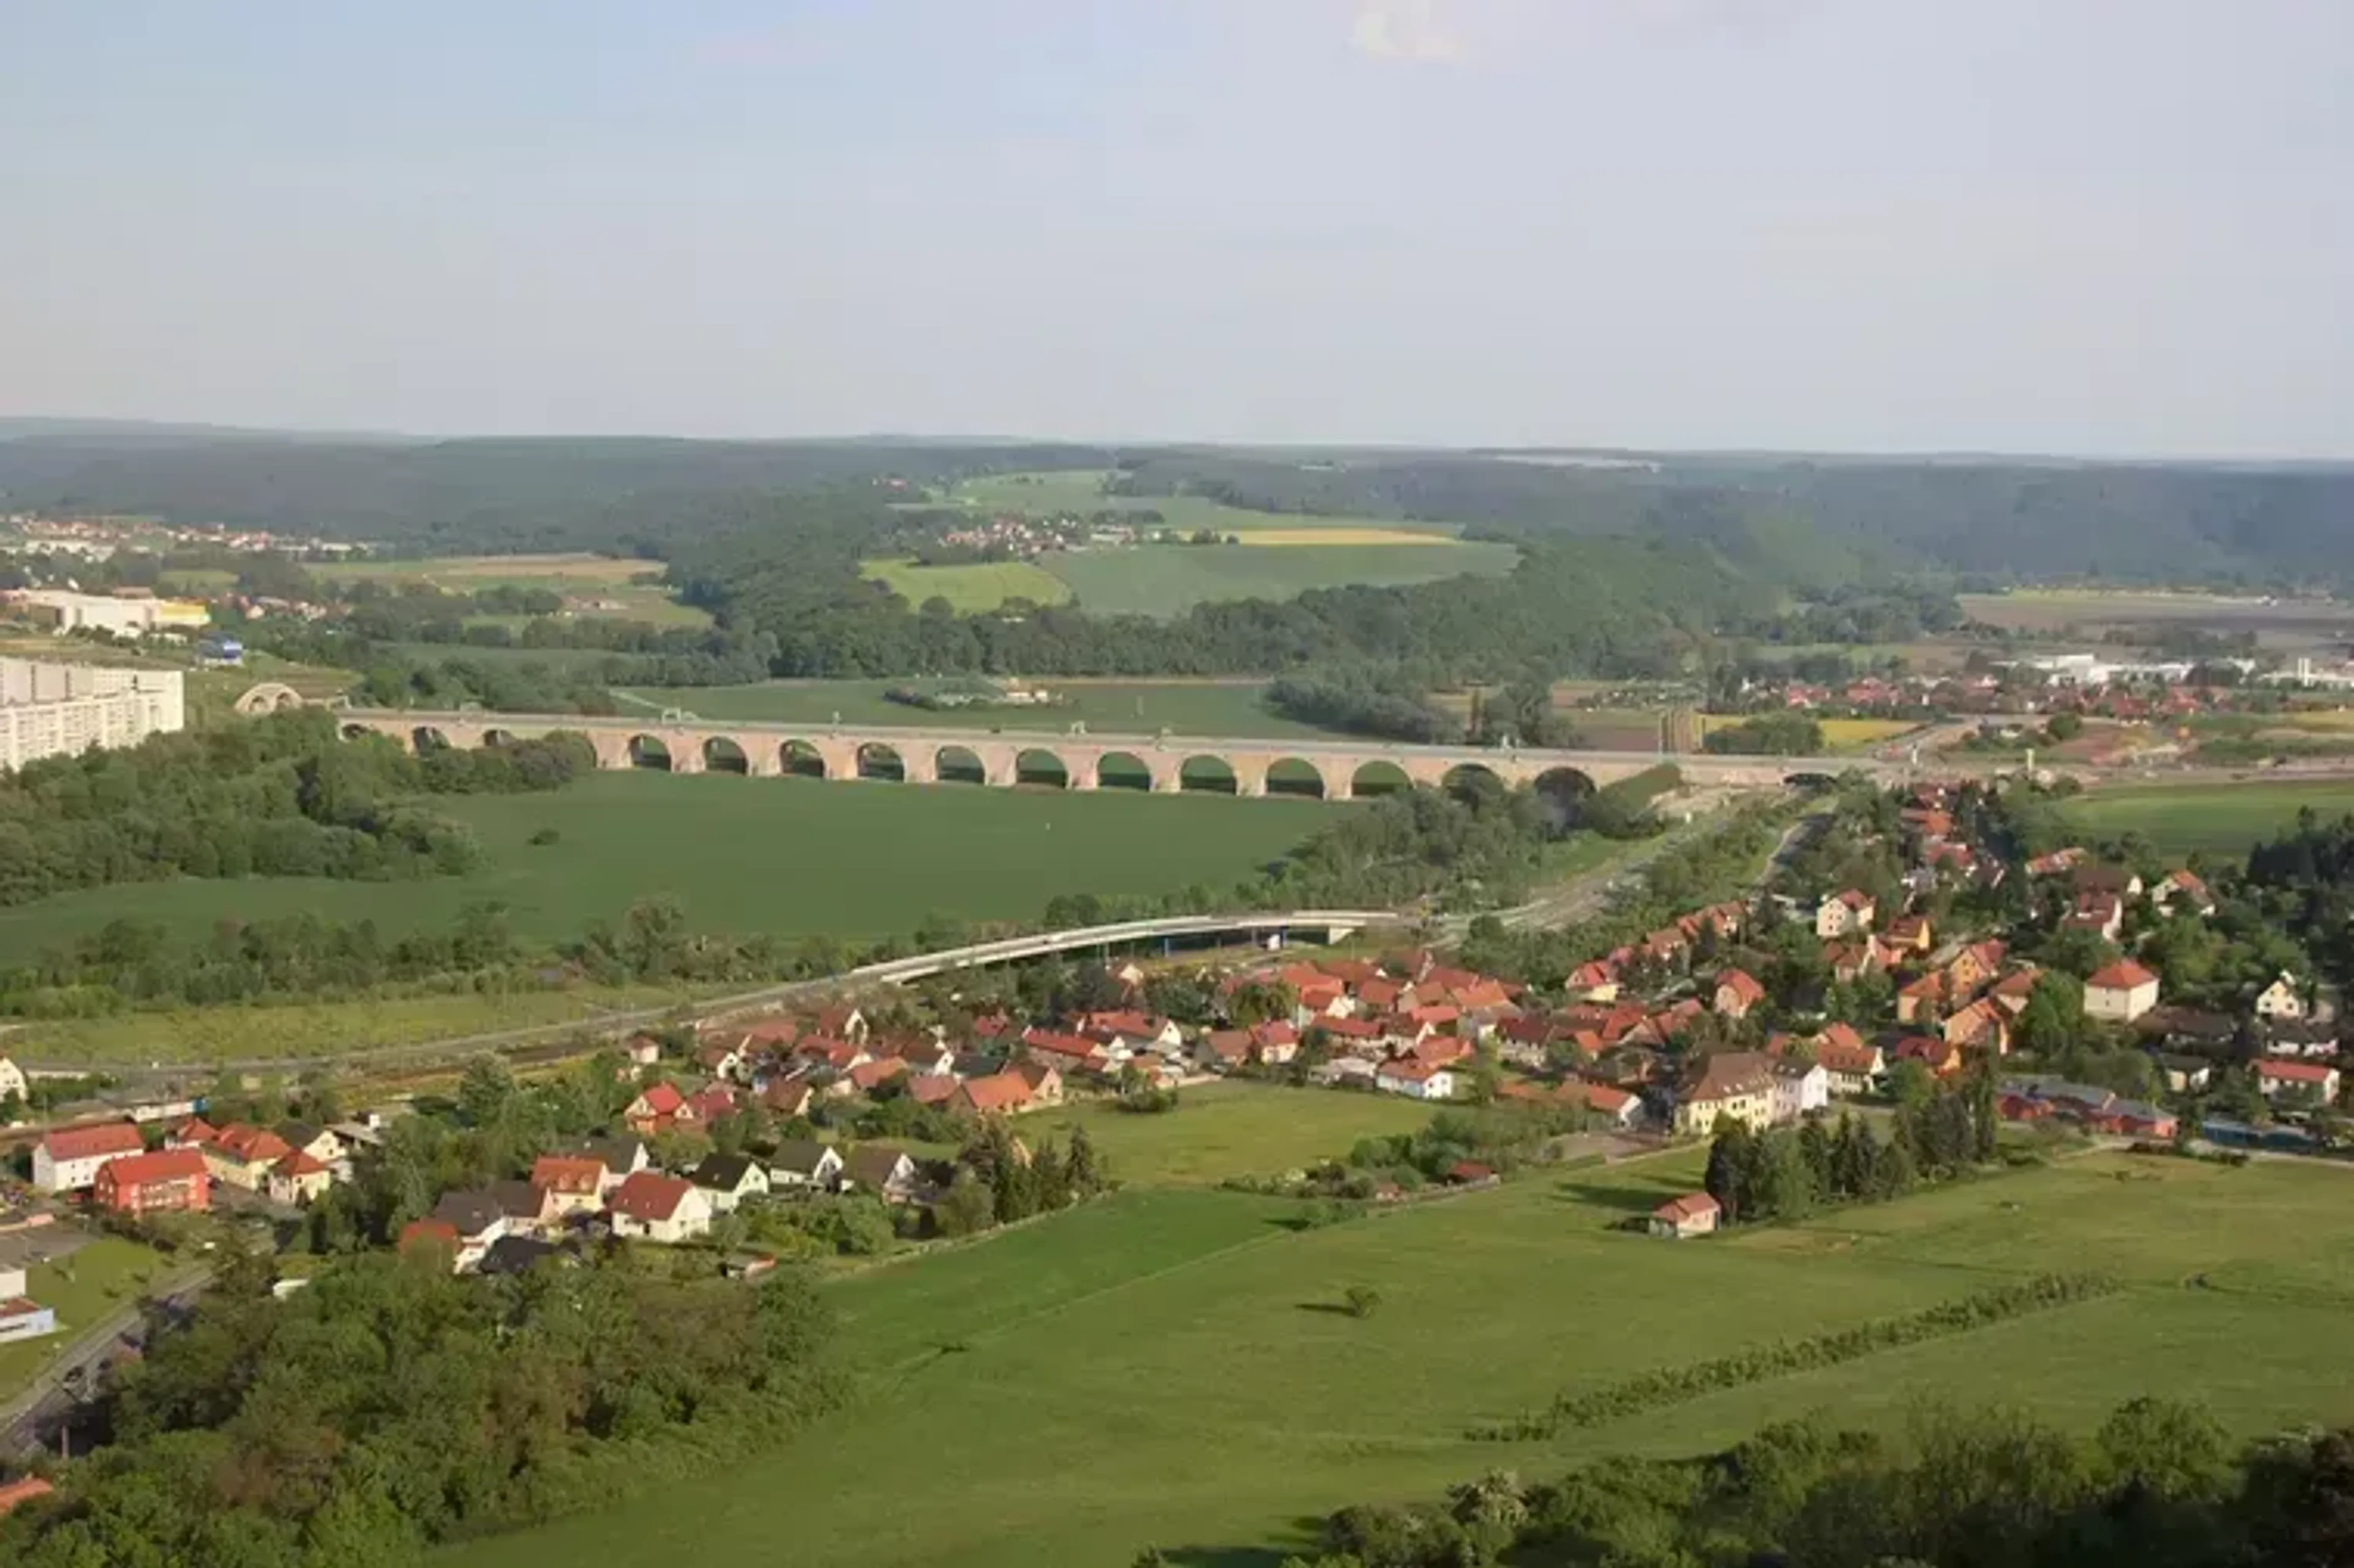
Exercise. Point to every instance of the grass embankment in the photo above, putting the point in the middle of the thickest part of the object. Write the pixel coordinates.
(2223, 819)
(1230, 1130)
(1186, 1343)
(81, 1288)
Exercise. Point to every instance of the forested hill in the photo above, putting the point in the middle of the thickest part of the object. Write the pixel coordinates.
(1816, 520)
(482, 496)
(1825, 518)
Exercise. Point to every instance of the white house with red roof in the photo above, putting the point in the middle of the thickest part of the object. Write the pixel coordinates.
(1845, 914)
(2120, 993)
(654, 1207)
(2275, 1078)
(1415, 1078)
(68, 1158)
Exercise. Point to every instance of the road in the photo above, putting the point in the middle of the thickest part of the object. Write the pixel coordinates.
(27, 1420)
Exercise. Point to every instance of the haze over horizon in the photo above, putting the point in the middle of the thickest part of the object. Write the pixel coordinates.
(2060, 226)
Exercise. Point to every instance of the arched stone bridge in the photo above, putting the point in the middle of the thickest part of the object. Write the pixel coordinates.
(1337, 769)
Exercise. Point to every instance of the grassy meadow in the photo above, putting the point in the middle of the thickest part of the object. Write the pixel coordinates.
(969, 590)
(1170, 580)
(1168, 1367)
(786, 856)
(1234, 1129)
(82, 1288)
(2222, 818)
(600, 587)
(1108, 707)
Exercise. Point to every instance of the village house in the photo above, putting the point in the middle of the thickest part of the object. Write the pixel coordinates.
(2317, 1079)
(642, 1052)
(1222, 1049)
(1416, 1079)
(1910, 933)
(12, 1080)
(323, 1144)
(2120, 993)
(68, 1158)
(241, 1156)
(655, 1109)
(620, 1158)
(722, 1057)
(1920, 1001)
(474, 1220)
(1799, 1089)
(2185, 1075)
(1045, 1081)
(790, 1097)
(171, 1180)
(2284, 998)
(1277, 1042)
(296, 1179)
(805, 1162)
(891, 1174)
(727, 1180)
(1694, 1215)
(1846, 914)
(1941, 1058)
(2307, 1037)
(1594, 982)
(1981, 1026)
(1135, 1030)
(1616, 1106)
(1852, 1063)
(2014, 991)
(1738, 1083)
(650, 1206)
(2179, 892)
(1736, 992)
(575, 1183)
(928, 1090)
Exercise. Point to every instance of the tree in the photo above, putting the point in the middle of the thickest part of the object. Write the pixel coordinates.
(1729, 1165)
(1814, 1147)
(1912, 1085)
(486, 1093)
(1082, 1167)
(967, 1208)
(1894, 1172)
(1986, 1119)
(1362, 1301)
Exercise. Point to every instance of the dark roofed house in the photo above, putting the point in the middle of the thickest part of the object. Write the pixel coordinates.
(475, 1219)
(889, 1174)
(728, 1179)
(518, 1255)
(805, 1162)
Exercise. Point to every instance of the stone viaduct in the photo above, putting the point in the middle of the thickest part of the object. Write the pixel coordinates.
(1337, 769)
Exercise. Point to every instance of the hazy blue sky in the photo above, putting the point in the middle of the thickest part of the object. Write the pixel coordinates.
(2100, 225)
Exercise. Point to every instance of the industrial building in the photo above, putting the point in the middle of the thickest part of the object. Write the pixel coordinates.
(63, 710)
(127, 614)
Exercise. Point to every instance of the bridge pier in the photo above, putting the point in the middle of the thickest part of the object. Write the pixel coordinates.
(921, 766)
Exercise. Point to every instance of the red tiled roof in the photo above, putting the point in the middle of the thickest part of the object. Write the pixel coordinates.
(298, 1163)
(576, 1174)
(661, 1099)
(1741, 985)
(1690, 1206)
(1412, 1069)
(2295, 1071)
(429, 1233)
(2123, 975)
(15, 1494)
(164, 1165)
(1000, 1091)
(89, 1142)
(649, 1195)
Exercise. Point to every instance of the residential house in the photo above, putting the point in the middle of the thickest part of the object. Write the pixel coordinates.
(868, 1077)
(928, 1090)
(2284, 998)
(1137, 1030)
(2119, 882)
(805, 1162)
(2185, 1075)
(474, 1220)
(706, 1105)
(2133, 1119)
(1277, 1042)
(22, 1317)
(2319, 1079)
(1851, 961)
(1967, 966)
(727, 1180)
(1736, 1084)
(171, 1180)
(621, 1157)
(1694, 1215)
(891, 1174)
(1616, 1105)
(1800, 1089)
(2097, 911)
(1415, 1078)
(1594, 982)
(1852, 1063)
(1942, 1058)
(927, 1058)
(2179, 892)
(843, 1023)
(722, 1057)
(2121, 993)
(243, 1156)
(575, 1183)
(655, 1109)
(296, 1179)
(2014, 991)
(323, 1144)
(790, 1097)
(2305, 1037)
(1909, 932)
(1981, 1026)
(1845, 914)
(650, 1206)
(642, 1051)
(1226, 1049)
(2058, 861)
(68, 1158)
(1044, 1080)
(12, 1080)
(1920, 1001)
(517, 1255)
(1736, 992)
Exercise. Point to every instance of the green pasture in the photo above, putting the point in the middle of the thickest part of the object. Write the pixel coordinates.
(2222, 818)
(613, 588)
(969, 590)
(787, 855)
(1106, 707)
(1234, 1129)
(1166, 1368)
(83, 1289)
(1080, 491)
(1169, 579)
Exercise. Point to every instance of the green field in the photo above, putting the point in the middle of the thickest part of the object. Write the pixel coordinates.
(969, 590)
(83, 1289)
(1164, 1368)
(1109, 707)
(787, 855)
(1235, 1129)
(1169, 579)
(2222, 818)
(598, 587)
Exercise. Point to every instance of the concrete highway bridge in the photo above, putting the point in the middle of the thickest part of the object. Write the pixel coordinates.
(1339, 769)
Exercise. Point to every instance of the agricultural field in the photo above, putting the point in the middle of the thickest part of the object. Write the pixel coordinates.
(2281, 624)
(1170, 580)
(1235, 1129)
(602, 586)
(1189, 1344)
(1106, 707)
(969, 590)
(1280, 553)
(2221, 818)
(787, 855)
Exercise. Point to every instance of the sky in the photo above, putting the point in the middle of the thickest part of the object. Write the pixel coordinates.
(2093, 227)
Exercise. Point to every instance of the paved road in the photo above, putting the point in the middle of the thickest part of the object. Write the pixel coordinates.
(27, 1420)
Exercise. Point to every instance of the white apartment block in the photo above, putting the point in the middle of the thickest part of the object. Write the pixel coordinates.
(63, 710)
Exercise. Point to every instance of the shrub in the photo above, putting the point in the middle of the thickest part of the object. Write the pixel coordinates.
(1362, 1301)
